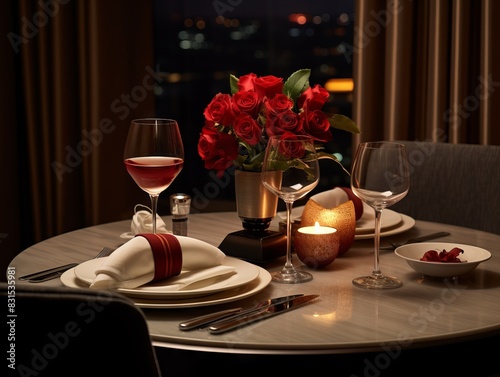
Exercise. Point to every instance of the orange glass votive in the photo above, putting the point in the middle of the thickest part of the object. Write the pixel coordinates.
(316, 246)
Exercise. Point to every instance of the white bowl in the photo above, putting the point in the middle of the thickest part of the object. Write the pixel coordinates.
(472, 256)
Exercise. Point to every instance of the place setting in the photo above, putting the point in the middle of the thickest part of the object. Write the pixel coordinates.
(155, 267)
(201, 274)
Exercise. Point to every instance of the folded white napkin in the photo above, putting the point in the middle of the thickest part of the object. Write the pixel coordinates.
(142, 222)
(335, 197)
(155, 257)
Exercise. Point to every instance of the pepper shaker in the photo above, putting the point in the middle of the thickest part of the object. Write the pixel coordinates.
(180, 205)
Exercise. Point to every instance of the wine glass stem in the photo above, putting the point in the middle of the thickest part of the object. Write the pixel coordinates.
(288, 264)
(376, 268)
(154, 205)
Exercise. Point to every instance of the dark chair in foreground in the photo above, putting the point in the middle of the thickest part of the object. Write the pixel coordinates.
(69, 332)
(456, 184)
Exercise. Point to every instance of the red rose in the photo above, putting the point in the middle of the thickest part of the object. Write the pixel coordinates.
(316, 125)
(246, 128)
(287, 121)
(265, 86)
(313, 98)
(246, 82)
(295, 149)
(220, 110)
(217, 150)
(268, 86)
(278, 104)
(247, 102)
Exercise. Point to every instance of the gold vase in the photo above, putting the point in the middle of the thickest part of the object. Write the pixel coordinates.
(256, 205)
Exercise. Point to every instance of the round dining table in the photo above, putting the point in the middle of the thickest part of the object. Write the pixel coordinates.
(354, 331)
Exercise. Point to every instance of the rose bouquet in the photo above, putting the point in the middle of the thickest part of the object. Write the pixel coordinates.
(238, 125)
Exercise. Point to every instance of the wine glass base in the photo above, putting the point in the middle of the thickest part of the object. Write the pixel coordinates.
(291, 277)
(377, 282)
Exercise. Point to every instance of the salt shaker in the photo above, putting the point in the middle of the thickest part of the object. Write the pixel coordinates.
(180, 205)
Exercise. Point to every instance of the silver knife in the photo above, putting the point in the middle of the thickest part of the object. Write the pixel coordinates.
(229, 314)
(49, 272)
(50, 275)
(260, 314)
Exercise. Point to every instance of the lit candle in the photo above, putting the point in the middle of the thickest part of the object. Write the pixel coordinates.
(316, 246)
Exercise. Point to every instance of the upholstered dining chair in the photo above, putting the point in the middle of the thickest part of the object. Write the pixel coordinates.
(456, 184)
(71, 332)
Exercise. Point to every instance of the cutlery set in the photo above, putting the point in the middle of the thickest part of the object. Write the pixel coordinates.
(230, 319)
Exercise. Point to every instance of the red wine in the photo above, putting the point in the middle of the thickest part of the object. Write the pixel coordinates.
(154, 174)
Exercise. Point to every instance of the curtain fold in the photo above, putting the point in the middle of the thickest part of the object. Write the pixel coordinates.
(427, 70)
(397, 71)
(460, 47)
(437, 83)
(490, 66)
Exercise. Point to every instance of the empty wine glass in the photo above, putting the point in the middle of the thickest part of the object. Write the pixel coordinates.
(154, 156)
(290, 170)
(380, 177)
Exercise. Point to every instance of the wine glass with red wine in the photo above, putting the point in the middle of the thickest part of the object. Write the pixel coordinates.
(154, 156)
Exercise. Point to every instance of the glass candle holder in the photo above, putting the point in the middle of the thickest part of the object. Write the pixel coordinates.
(316, 246)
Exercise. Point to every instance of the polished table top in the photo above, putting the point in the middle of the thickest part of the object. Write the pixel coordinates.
(343, 319)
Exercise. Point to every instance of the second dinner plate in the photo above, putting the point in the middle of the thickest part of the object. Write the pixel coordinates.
(365, 225)
(388, 219)
(245, 273)
(406, 224)
(70, 280)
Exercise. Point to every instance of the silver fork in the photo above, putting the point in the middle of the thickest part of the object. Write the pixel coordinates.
(105, 252)
(55, 272)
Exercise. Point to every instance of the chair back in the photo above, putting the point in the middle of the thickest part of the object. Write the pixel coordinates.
(73, 332)
(457, 184)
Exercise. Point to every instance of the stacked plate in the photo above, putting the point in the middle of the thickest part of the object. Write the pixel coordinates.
(391, 223)
(248, 280)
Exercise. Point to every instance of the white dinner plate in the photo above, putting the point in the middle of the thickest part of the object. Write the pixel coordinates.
(406, 224)
(69, 279)
(389, 219)
(245, 273)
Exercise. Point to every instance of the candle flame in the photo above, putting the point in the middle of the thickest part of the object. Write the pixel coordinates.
(316, 227)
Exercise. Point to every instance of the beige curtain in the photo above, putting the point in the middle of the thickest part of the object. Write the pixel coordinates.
(427, 70)
(76, 73)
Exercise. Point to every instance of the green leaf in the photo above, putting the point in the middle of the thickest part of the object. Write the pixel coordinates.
(239, 161)
(297, 83)
(342, 122)
(255, 163)
(245, 145)
(233, 83)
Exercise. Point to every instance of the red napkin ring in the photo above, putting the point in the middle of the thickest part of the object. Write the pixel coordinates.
(167, 254)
